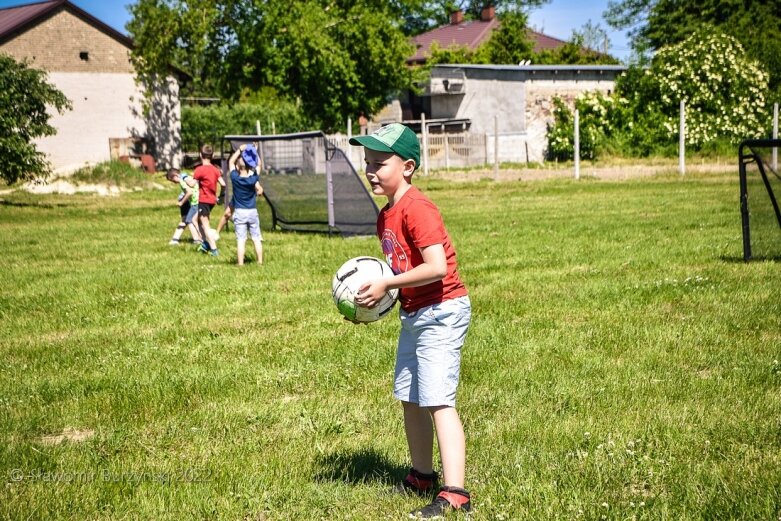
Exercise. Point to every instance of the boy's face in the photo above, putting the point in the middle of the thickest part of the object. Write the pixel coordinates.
(174, 178)
(386, 172)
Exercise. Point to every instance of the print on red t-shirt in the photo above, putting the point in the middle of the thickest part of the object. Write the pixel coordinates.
(414, 222)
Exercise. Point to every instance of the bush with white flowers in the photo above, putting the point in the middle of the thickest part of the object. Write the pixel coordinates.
(722, 88)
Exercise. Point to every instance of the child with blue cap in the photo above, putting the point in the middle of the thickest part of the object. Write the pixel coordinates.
(246, 189)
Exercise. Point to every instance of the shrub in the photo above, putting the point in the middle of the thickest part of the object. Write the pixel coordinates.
(209, 124)
(723, 90)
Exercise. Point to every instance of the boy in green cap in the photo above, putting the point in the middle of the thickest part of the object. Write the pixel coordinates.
(435, 315)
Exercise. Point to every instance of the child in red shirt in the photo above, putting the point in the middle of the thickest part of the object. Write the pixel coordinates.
(208, 177)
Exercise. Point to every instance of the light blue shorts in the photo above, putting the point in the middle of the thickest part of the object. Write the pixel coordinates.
(246, 219)
(191, 213)
(428, 360)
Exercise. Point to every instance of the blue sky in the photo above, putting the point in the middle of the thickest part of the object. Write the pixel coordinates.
(557, 18)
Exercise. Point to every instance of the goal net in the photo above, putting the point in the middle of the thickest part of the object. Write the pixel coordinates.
(760, 196)
(310, 184)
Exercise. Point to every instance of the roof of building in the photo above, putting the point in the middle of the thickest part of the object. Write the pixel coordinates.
(16, 20)
(470, 34)
(538, 68)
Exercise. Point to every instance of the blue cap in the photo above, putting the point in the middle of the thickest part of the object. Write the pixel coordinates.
(250, 156)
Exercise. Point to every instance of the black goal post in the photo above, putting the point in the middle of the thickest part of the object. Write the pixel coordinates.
(760, 190)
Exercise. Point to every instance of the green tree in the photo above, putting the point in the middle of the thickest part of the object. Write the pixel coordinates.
(332, 58)
(510, 43)
(653, 24)
(25, 95)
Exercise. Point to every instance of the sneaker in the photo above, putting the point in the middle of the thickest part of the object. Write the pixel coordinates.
(417, 483)
(449, 498)
(173, 242)
(204, 247)
(215, 252)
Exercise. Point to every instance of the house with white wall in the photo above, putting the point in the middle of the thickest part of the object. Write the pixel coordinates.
(89, 62)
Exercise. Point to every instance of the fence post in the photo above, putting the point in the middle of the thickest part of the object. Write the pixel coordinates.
(577, 144)
(775, 136)
(485, 147)
(682, 140)
(349, 137)
(424, 132)
(447, 152)
(257, 127)
(496, 147)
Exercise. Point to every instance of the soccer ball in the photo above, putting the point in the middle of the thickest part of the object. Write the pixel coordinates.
(350, 277)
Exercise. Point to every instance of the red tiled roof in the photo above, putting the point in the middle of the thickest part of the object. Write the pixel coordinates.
(14, 20)
(470, 34)
(543, 42)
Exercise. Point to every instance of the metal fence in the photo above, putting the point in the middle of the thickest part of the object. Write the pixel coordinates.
(444, 150)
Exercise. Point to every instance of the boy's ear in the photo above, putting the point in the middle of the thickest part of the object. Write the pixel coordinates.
(409, 167)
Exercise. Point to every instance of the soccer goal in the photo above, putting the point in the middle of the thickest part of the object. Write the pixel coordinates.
(760, 190)
(310, 185)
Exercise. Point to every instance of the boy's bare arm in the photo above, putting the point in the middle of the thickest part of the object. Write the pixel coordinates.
(187, 194)
(258, 189)
(234, 157)
(432, 269)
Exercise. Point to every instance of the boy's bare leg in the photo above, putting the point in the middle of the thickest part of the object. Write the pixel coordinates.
(420, 436)
(208, 232)
(258, 250)
(179, 231)
(240, 243)
(452, 445)
(196, 235)
(224, 219)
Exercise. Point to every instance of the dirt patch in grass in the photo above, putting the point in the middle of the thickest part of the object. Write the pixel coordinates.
(69, 434)
(596, 172)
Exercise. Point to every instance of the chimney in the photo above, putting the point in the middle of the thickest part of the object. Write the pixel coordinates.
(456, 17)
(488, 13)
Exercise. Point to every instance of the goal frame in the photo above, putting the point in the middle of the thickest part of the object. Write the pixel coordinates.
(746, 156)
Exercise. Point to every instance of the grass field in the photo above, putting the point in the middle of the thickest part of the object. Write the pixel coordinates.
(623, 362)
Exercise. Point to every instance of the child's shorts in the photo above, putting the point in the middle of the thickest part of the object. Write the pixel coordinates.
(205, 209)
(246, 219)
(428, 360)
(188, 212)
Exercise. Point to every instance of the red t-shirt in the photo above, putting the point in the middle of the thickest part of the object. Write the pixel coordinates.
(413, 223)
(207, 176)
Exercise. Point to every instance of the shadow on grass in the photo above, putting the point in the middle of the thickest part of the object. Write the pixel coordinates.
(21, 204)
(758, 258)
(365, 466)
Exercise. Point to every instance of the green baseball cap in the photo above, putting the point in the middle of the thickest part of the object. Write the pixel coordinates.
(394, 138)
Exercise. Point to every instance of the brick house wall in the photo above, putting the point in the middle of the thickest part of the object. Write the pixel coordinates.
(93, 69)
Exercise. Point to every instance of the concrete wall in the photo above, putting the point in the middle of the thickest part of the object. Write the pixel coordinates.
(106, 101)
(521, 97)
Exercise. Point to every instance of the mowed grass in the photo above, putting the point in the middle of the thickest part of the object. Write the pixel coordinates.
(623, 362)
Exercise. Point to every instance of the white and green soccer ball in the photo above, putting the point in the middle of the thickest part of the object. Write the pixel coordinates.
(350, 277)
